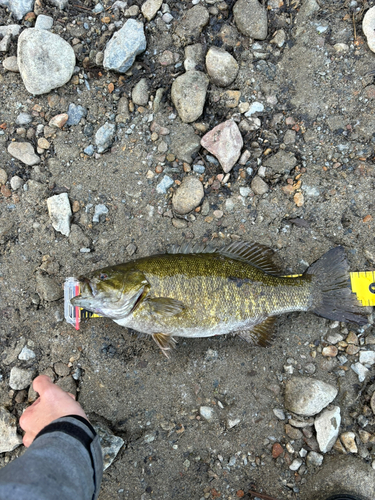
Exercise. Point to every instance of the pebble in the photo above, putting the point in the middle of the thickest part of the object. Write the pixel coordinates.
(279, 413)
(8, 432)
(277, 450)
(330, 351)
(60, 212)
(11, 64)
(225, 142)
(348, 440)
(189, 94)
(18, 7)
(327, 426)
(104, 136)
(167, 17)
(199, 169)
(368, 28)
(184, 142)
(15, 182)
(296, 464)
(3, 176)
(140, 92)
(43, 22)
(110, 444)
(58, 121)
(292, 432)
(360, 370)
(75, 114)
(150, 7)
(333, 338)
(279, 38)
(255, 107)
(367, 357)
(26, 354)
(99, 210)
(164, 184)
(192, 23)
(43, 143)
(20, 379)
(47, 288)
(124, 46)
(24, 152)
(314, 459)
(306, 396)
(259, 186)
(41, 71)
(61, 369)
(194, 55)
(89, 150)
(352, 338)
(60, 4)
(251, 18)
(207, 413)
(188, 196)
(232, 422)
(24, 119)
(221, 66)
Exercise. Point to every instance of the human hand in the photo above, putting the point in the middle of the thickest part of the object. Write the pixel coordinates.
(52, 403)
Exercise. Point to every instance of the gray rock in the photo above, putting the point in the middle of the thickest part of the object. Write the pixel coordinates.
(9, 30)
(279, 413)
(367, 357)
(207, 413)
(314, 459)
(47, 288)
(327, 426)
(24, 119)
(26, 354)
(259, 186)
(191, 25)
(89, 150)
(60, 212)
(20, 379)
(16, 182)
(3, 176)
(221, 66)
(296, 464)
(43, 22)
(150, 7)
(360, 370)
(123, 110)
(164, 184)
(251, 18)
(98, 8)
(225, 142)
(140, 92)
(193, 55)
(99, 210)
(306, 396)
(24, 152)
(78, 238)
(45, 60)
(109, 443)
(281, 163)
(184, 142)
(255, 107)
(9, 439)
(189, 94)
(11, 64)
(188, 196)
(348, 440)
(75, 114)
(5, 43)
(124, 46)
(60, 4)
(18, 7)
(61, 369)
(104, 136)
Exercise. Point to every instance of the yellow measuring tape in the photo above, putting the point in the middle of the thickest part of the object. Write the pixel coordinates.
(363, 285)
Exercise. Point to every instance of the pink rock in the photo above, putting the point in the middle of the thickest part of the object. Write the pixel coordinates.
(225, 142)
(59, 120)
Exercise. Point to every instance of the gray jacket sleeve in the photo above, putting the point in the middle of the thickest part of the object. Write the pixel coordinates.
(64, 461)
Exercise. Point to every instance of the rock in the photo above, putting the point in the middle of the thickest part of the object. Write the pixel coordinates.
(296, 464)
(279, 38)
(189, 94)
(150, 7)
(60, 4)
(24, 152)
(191, 25)
(277, 450)
(3, 176)
(232, 422)
(306, 396)
(164, 184)
(20, 379)
(330, 351)
(140, 92)
(67, 384)
(18, 7)
(292, 432)
(61, 369)
(75, 114)
(255, 107)
(15, 182)
(258, 185)
(279, 413)
(43, 143)
(307, 10)
(59, 121)
(109, 443)
(367, 357)
(60, 212)
(314, 459)
(207, 413)
(184, 142)
(43, 22)
(78, 238)
(104, 136)
(327, 426)
(9, 439)
(89, 150)
(11, 64)
(47, 288)
(225, 142)
(281, 163)
(124, 46)
(222, 67)
(251, 18)
(26, 354)
(348, 440)
(99, 210)
(368, 27)
(24, 119)
(188, 196)
(360, 370)
(193, 56)
(122, 110)
(41, 71)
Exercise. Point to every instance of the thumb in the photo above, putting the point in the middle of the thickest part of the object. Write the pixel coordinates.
(41, 384)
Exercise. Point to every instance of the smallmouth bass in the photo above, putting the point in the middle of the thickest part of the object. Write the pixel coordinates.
(201, 291)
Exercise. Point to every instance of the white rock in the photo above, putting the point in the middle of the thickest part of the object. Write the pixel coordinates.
(327, 426)
(24, 152)
(207, 413)
(315, 459)
(26, 354)
(279, 413)
(109, 443)
(18, 7)
(296, 464)
(43, 22)
(60, 212)
(61, 4)
(20, 378)
(255, 107)
(150, 7)
(348, 440)
(11, 64)
(9, 439)
(306, 396)
(232, 422)
(368, 27)
(360, 370)
(367, 357)
(221, 66)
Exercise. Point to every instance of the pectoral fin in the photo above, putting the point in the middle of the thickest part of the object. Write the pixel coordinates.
(165, 342)
(260, 334)
(165, 306)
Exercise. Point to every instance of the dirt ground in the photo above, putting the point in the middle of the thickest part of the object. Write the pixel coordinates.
(124, 381)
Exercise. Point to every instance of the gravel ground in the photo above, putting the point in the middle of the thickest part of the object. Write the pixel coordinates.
(202, 424)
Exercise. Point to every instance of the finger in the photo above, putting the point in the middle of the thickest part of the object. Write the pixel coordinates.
(41, 384)
(27, 440)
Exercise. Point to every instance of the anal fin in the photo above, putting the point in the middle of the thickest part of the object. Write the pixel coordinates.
(165, 342)
(260, 334)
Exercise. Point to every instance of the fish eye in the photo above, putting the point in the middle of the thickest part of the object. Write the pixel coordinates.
(103, 276)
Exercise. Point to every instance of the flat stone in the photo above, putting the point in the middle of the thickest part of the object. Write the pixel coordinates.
(189, 94)
(255, 107)
(150, 7)
(11, 64)
(110, 444)
(47, 288)
(251, 18)
(24, 152)
(277, 450)
(24, 119)
(164, 184)
(140, 92)
(191, 25)
(99, 210)
(41, 71)
(43, 22)
(61, 369)
(221, 66)
(20, 378)
(124, 46)
(3, 176)
(18, 7)
(9, 439)
(348, 440)
(296, 464)
(327, 426)
(104, 136)
(259, 186)
(292, 432)
(225, 142)
(367, 357)
(306, 396)
(75, 114)
(330, 351)
(361, 371)
(60, 212)
(188, 196)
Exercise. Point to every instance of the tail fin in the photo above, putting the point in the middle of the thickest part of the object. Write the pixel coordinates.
(332, 297)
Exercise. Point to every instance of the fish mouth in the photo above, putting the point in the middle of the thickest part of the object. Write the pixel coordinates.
(87, 289)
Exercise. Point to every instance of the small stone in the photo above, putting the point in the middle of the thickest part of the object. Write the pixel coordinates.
(189, 94)
(20, 378)
(24, 119)
(188, 196)
(361, 371)
(330, 351)
(292, 432)
(348, 440)
(327, 426)
(110, 444)
(306, 396)
(245, 191)
(5, 191)
(352, 349)
(26, 354)
(164, 184)
(75, 114)
(89, 151)
(43, 143)
(9, 439)
(179, 223)
(60, 212)
(11, 64)
(194, 56)
(15, 182)
(131, 249)
(334, 338)
(367, 357)
(296, 464)
(24, 152)
(364, 436)
(207, 413)
(352, 338)
(61, 369)
(192, 23)
(279, 38)
(3, 176)
(19, 8)
(221, 66)
(251, 18)
(314, 459)
(277, 450)
(43, 22)
(140, 92)
(58, 121)
(255, 107)
(99, 210)
(232, 422)
(20, 396)
(104, 136)
(231, 98)
(184, 142)
(279, 413)
(259, 186)
(225, 142)
(150, 7)
(368, 27)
